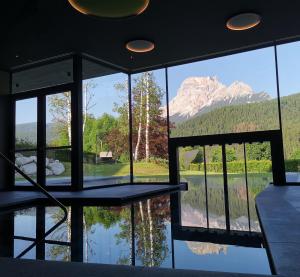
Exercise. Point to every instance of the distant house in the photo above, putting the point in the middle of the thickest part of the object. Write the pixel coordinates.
(105, 156)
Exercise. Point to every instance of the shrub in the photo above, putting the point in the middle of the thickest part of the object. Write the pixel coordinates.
(235, 166)
(292, 165)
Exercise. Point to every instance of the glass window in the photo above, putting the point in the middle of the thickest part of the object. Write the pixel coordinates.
(26, 124)
(105, 129)
(58, 119)
(149, 127)
(288, 66)
(58, 139)
(231, 94)
(43, 76)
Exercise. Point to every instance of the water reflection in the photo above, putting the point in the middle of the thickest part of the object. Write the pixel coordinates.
(193, 201)
(137, 234)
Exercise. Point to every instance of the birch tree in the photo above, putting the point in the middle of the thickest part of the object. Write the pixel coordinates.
(147, 149)
(149, 127)
(60, 110)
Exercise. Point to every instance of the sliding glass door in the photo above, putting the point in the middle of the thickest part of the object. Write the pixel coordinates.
(43, 139)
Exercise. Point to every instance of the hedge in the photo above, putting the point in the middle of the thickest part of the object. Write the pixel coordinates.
(292, 165)
(234, 167)
(253, 166)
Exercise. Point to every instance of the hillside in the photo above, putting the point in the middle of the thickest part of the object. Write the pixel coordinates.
(28, 131)
(248, 117)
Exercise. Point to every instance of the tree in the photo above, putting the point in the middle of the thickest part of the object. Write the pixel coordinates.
(60, 109)
(258, 151)
(96, 132)
(217, 155)
(149, 127)
(147, 117)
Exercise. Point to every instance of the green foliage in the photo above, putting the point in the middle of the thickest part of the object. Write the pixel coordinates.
(23, 143)
(96, 131)
(296, 154)
(258, 151)
(234, 166)
(292, 165)
(105, 216)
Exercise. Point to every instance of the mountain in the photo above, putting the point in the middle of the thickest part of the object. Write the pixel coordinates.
(199, 95)
(248, 117)
(28, 132)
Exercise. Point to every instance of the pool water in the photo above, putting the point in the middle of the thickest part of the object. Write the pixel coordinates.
(136, 234)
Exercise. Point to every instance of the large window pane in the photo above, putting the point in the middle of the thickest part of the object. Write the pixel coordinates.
(231, 94)
(149, 127)
(105, 129)
(289, 67)
(26, 124)
(58, 119)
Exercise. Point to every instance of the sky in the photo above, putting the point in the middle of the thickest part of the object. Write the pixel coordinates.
(255, 68)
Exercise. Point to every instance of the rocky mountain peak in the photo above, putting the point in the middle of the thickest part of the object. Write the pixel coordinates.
(194, 85)
(198, 95)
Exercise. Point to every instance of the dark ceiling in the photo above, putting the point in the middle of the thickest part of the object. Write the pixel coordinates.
(182, 30)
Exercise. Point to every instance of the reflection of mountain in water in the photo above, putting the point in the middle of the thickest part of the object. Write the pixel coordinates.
(193, 201)
(206, 248)
(197, 218)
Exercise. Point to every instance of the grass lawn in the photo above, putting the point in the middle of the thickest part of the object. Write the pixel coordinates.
(123, 169)
(141, 169)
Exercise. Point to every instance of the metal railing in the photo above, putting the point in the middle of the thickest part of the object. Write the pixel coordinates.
(47, 194)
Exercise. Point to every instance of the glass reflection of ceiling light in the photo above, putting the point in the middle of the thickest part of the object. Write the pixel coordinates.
(243, 21)
(140, 46)
(110, 8)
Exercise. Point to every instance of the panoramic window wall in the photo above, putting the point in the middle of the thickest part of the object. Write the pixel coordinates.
(289, 67)
(149, 127)
(106, 158)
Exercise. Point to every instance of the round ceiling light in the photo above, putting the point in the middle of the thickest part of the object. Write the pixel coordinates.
(110, 8)
(243, 21)
(140, 46)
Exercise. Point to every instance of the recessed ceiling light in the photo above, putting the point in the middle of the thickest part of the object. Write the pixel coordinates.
(110, 8)
(243, 21)
(140, 46)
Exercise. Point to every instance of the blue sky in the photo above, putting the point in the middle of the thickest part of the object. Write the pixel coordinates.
(255, 68)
